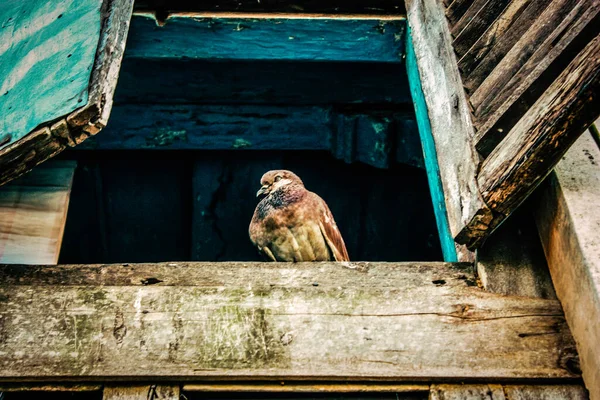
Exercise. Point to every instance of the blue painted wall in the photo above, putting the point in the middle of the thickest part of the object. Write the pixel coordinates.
(47, 51)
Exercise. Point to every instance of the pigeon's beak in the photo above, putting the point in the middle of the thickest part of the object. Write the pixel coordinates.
(262, 191)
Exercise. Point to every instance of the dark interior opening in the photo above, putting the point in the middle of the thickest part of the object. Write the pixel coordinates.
(173, 176)
(133, 206)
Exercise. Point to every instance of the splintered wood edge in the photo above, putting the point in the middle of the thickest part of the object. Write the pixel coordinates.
(69, 131)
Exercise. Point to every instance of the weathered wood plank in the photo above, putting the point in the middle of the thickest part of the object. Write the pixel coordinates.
(545, 392)
(299, 387)
(499, 33)
(215, 128)
(317, 38)
(444, 120)
(143, 392)
(33, 210)
(512, 260)
(116, 15)
(43, 43)
(94, 99)
(467, 392)
(471, 26)
(536, 143)
(144, 80)
(498, 45)
(54, 387)
(518, 70)
(507, 392)
(286, 321)
(456, 9)
(568, 222)
(374, 138)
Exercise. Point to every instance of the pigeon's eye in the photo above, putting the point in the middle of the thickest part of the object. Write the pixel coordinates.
(277, 178)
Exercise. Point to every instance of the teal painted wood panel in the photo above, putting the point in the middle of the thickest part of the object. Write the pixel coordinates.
(429, 154)
(47, 51)
(298, 39)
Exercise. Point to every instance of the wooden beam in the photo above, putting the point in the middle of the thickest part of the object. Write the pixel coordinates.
(33, 212)
(507, 392)
(260, 321)
(290, 37)
(512, 260)
(444, 120)
(536, 143)
(140, 392)
(568, 221)
(302, 387)
(373, 139)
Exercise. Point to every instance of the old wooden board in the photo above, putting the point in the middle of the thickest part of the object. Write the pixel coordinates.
(507, 392)
(33, 211)
(80, 45)
(268, 37)
(568, 222)
(512, 260)
(536, 143)
(524, 63)
(306, 387)
(140, 392)
(43, 43)
(325, 321)
(444, 120)
(372, 137)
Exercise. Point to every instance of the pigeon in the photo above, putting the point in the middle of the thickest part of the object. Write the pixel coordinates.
(293, 224)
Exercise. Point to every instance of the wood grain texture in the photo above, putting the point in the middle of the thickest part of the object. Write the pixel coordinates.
(536, 143)
(33, 210)
(512, 260)
(545, 392)
(231, 38)
(496, 34)
(43, 43)
(329, 321)
(520, 69)
(507, 392)
(481, 14)
(444, 122)
(140, 392)
(568, 222)
(467, 392)
(499, 41)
